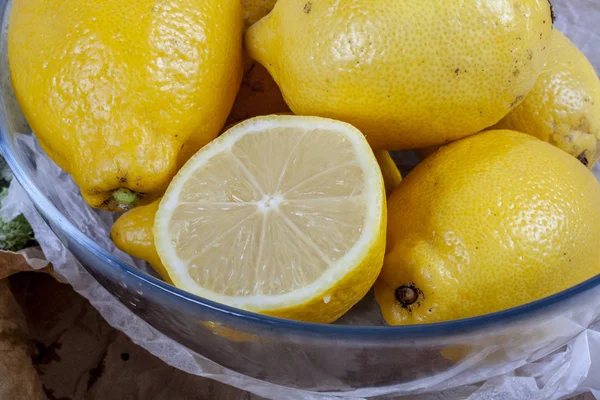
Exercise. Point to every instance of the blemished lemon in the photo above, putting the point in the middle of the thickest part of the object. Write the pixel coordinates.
(564, 106)
(487, 223)
(409, 73)
(281, 215)
(121, 94)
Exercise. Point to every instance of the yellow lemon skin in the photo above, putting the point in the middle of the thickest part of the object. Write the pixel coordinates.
(389, 171)
(132, 233)
(487, 223)
(564, 106)
(408, 74)
(121, 95)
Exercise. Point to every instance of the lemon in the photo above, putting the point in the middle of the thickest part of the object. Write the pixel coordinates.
(564, 106)
(281, 215)
(121, 94)
(486, 223)
(389, 171)
(408, 73)
(132, 233)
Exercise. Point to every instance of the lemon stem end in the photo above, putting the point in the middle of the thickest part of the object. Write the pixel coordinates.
(407, 295)
(125, 197)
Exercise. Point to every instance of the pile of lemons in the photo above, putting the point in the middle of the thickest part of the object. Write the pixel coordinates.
(249, 143)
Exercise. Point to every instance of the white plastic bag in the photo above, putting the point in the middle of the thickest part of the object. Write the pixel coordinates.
(573, 369)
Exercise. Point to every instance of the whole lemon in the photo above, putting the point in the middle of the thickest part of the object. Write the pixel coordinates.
(486, 223)
(408, 73)
(564, 106)
(121, 94)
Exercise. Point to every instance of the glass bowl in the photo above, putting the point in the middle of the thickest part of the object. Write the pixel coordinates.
(363, 360)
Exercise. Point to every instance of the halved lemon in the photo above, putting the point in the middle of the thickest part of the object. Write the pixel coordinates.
(281, 215)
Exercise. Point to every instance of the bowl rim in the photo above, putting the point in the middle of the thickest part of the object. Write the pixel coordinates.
(331, 330)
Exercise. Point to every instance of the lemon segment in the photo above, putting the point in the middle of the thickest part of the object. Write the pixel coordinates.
(282, 215)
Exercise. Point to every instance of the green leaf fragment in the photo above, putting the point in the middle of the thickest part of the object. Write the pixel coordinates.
(15, 235)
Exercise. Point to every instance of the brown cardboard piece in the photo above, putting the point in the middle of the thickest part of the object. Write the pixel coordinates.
(55, 345)
(18, 378)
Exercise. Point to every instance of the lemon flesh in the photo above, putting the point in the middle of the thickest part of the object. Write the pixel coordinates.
(282, 215)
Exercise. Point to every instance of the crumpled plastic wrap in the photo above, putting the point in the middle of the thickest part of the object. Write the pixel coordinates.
(573, 369)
